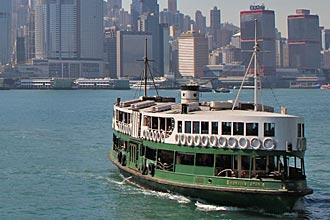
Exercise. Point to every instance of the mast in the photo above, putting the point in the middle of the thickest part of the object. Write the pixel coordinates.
(145, 70)
(256, 76)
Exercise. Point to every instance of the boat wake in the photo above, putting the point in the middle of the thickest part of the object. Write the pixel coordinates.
(209, 208)
(119, 182)
(180, 199)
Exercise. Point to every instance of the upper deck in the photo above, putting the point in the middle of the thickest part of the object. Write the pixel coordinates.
(210, 124)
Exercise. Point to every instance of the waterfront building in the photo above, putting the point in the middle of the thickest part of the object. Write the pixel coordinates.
(304, 40)
(193, 54)
(215, 27)
(265, 36)
(130, 48)
(6, 46)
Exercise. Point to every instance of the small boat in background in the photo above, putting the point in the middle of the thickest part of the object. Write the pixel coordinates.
(325, 86)
(222, 90)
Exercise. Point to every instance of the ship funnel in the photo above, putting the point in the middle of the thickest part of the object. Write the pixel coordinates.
(189, 93)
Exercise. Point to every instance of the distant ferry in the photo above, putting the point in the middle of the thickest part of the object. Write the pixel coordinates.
(325, 86)
(229, 153)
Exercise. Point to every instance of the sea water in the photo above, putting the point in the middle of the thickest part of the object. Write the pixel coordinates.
(54, 165)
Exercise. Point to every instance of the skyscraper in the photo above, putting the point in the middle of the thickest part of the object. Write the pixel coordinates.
(172, 6)
(326, 39)
(193, 54)
(6, 31)
(304, 40)
(265, 36)
(130, 47)
(200, 24)
(70, 30)
(215, 27)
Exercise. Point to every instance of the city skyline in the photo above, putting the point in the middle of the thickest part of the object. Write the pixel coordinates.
(230, 9)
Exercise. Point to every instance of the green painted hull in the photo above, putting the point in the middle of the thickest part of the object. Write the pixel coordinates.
(271, 201)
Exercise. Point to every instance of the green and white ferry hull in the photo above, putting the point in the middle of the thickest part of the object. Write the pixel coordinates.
(208, 151)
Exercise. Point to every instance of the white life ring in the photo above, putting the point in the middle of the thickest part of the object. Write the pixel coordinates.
(177, 139)
(213, 141)
(269, 144)
(222, 142)
(243, 143)
(232, 142)
(255, 143)
(158, 136)
(162, 136)
(197, 140)
(150, 135)
(183, 139)
(190, 140)
(154, 136)
(205, 141)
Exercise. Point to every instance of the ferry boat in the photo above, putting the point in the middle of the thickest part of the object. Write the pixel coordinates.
(325, 86)
(230, 153)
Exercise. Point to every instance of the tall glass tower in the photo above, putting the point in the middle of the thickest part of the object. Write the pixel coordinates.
(6, 46)
(265, 35)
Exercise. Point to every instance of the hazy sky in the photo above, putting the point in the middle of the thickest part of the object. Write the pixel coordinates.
(230, 9)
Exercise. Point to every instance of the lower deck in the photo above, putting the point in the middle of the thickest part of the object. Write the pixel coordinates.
(210, 167)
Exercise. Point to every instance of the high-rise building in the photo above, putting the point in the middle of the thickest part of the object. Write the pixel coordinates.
(110, 47)
(6, 46)
(130, 48)
(70, 30)
(193, 54)
(326, 39)
(62, 41)
(172, 6)
(215, 27)
(265, 37)
(200, 25)
(304, 40)
(91, 29)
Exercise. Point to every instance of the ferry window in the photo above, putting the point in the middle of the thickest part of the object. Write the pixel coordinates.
(299, 130)
(165, 160)
(261, 163)
(185, 158)
(147, 121)
(205, 127)
(226, 128)
(206, 160)
(238, 128)
(150, 153)
(179, 126)
(252, 129)
(187, 127)
(223, 164)
(214, 127)
(162, 124)
(245, 163)
(269, 130)
(303, 130)
(196, 127)
(154, 122)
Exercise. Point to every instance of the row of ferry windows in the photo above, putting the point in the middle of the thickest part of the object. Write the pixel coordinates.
(227, 128)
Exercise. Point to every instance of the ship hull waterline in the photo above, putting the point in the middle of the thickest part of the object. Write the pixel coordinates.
(275, 202)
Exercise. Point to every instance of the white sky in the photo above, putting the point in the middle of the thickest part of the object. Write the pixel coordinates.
(230, 9)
